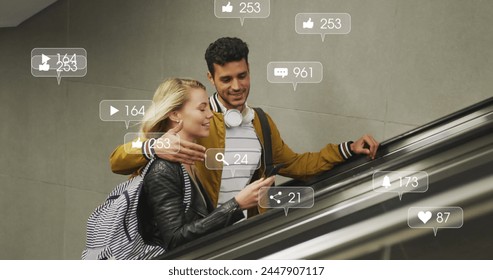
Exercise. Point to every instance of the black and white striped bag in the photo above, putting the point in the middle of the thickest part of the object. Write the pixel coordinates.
(112, 229)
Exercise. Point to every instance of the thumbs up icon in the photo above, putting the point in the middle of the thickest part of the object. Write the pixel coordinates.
(137, 143)
(307, 24)
(228, 8)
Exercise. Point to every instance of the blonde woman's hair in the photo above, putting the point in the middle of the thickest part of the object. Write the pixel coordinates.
(170, 96)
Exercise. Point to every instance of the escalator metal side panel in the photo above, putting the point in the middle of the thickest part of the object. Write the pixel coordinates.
(389, 228)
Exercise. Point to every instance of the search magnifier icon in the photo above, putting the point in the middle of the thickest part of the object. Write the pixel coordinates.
(220, 157)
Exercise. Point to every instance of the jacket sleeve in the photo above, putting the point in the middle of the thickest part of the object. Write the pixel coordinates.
(164, 194)
(302, 166)
(126, 160)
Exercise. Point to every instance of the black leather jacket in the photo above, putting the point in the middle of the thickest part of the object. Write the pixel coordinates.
(161, 212)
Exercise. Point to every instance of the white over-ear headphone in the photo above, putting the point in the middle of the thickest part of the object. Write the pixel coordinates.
(234, 118)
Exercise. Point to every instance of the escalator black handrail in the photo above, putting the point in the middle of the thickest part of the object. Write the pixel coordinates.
(480, 125)
(384, 148)
(443, 120)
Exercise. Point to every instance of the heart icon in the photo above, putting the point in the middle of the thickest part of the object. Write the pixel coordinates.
(424, 216)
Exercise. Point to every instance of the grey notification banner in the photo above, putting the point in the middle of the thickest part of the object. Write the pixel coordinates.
(241, 9)
(59, 62)
(286, 197)
(233, 160)
(400, 182)
(123, 110)
(435, 217)
(323, 23)
(162, 143)
(295, 72)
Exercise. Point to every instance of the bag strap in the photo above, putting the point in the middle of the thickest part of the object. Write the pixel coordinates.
(267, 139)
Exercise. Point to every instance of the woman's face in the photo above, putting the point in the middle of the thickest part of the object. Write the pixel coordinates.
(196, 115)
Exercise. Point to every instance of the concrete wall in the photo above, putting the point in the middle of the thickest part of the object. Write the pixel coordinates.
(404, 63)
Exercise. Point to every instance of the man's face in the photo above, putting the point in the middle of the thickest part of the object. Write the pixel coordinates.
(232, 82)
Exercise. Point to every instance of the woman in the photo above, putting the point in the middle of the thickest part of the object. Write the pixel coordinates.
(169, 213)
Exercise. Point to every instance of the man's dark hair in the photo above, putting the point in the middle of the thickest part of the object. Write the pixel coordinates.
(225, 50)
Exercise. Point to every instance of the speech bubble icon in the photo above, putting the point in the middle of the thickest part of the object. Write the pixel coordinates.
(322, 23)
(401, 182)
(295, 72)
(241, 9)
(123, 110)
(157, 142)
(58, 62)
(232, 160)
(286, 197)
(435, 217)
(281, 72)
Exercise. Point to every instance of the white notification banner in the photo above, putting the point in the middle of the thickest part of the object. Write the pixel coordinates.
(322, 23)
(58, 62)
(435, 217)
(241, 9)
(295, 72)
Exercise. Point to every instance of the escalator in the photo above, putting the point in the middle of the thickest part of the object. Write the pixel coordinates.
(350, 220)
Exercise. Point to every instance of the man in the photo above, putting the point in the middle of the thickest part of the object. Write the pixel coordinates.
(235, 126)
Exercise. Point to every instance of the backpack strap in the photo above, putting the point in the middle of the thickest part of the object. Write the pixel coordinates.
(267, 139)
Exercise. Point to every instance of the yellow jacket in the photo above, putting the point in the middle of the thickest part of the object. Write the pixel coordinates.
(297, 166)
